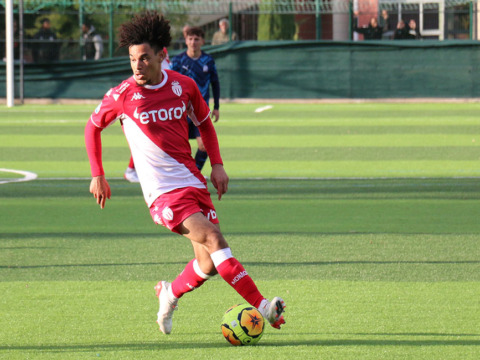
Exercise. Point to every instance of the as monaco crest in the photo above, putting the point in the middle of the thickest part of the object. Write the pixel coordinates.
(176, 88)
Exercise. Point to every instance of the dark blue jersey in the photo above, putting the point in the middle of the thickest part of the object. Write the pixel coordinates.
(203, 71)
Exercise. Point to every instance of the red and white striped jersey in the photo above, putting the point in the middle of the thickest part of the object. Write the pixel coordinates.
(154, 120)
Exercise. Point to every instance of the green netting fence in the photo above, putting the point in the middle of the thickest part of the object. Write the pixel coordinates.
(301, 69)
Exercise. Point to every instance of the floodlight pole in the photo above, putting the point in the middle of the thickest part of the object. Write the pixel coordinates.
(10, 69)
(21, 57)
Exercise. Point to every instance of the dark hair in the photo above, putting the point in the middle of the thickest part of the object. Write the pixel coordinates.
(150, 27)
(196, 31)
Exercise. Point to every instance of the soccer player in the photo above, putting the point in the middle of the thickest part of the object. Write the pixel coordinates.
(152, 107)
(200, 66)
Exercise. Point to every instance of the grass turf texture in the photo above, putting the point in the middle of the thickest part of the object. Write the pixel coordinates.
(369, 268)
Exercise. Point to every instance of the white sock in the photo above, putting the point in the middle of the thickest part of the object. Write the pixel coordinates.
(264, 307)
(221, 255)
(171, 298)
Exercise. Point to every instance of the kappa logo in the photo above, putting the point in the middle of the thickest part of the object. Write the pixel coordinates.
(167, 214)
(137, 96)
(176, 88)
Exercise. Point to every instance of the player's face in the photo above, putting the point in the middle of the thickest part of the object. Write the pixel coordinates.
(146, 64)
(194, 43)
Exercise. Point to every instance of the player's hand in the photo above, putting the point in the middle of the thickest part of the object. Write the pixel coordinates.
(215, 115)
(219, 179)
(100, 189)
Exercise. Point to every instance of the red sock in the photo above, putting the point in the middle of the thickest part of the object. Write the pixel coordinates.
(131, 165)
(235, 274)
(188, 280)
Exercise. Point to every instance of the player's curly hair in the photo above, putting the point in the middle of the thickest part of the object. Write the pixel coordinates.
(149, 27)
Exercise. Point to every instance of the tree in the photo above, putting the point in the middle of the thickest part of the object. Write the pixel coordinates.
(275, 26)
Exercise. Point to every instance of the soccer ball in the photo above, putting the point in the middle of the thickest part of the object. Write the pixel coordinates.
(242, 325)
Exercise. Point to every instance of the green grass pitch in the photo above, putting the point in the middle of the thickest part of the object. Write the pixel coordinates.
(364, 217)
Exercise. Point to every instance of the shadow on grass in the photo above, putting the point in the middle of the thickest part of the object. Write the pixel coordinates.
(246, 263)
(181, 345)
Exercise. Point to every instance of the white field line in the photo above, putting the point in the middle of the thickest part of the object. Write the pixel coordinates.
(27, 176)
(263, 108)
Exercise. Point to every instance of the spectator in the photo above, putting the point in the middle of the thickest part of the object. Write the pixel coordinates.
(401, 32)
(373, 31)
(413, 32)
(45, 47)
(16, 43)
(92, 44)
(222, 36)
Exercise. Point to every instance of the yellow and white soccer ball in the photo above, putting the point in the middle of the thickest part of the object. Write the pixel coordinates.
(242, 325)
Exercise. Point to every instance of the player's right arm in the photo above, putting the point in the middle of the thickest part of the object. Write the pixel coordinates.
(104, 115)
(99, 186)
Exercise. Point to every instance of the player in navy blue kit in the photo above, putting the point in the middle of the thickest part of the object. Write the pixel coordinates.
(199, 66)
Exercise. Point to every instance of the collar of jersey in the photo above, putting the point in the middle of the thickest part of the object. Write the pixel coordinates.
(158, 86)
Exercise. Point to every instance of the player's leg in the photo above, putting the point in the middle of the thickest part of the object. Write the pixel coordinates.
(191, 278)
(201, 231)
(201, 155)
(195, 273)
(130, 172)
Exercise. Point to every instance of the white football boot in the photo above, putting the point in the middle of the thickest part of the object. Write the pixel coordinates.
(166, 308)
(273, 311)
(131, 175)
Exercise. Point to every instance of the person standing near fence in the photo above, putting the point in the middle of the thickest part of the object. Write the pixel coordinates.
(92, 44)
(45, 48)
(373, 31)
(222, 36)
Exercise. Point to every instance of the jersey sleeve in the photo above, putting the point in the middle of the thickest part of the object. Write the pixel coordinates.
(210, 140)
(104, 115)
(93, 143)
(108, 110)
(198, 110)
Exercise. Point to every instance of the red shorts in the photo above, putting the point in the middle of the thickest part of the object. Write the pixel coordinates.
(172, 208)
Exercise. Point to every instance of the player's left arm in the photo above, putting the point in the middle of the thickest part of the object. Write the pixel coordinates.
(218, 177)
(215, 83)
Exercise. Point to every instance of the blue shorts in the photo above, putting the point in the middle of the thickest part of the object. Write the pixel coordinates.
(193, 131)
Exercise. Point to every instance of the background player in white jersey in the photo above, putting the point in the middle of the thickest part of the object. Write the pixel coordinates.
(152, 107)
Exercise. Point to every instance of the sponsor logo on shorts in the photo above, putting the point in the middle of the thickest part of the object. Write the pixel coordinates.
(167, 214)
(211, 215)
(157, 220)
